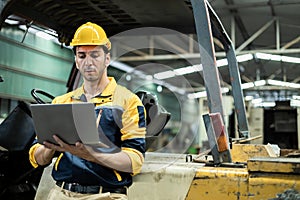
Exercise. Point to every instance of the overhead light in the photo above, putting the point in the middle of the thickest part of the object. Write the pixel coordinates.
(296, 97)
(29, 29)
(222, 62)
(121, 66)
(241, 58)
(290, 59)
(283, 83)
(51, 32)
(197, 95)
(149, 77)
(265, 104)
(165, 74)
(198, 67)
(44, 35)
(224, 89)
(248, 98)
(295, 103)
(260, 83)
(265, 56)
(260, 103)
(11, 22)
(159, 88)
(279, 58)
(188, 69)
(269, 82)
(128, 77)
(247, 85)
(256, 101)
(244, 58)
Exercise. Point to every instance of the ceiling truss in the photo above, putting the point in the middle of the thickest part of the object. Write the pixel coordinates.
(191, 52)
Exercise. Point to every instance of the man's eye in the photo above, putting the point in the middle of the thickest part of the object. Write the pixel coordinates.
(95, 54)
(81, 55)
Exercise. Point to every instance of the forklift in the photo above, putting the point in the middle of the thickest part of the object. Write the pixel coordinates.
(232, 168)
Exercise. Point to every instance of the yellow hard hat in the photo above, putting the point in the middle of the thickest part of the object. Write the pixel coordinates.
(90, 34)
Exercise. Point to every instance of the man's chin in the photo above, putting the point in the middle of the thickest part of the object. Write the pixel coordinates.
(91, 78)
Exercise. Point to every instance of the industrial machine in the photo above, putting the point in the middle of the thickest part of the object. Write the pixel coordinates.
(231, 168)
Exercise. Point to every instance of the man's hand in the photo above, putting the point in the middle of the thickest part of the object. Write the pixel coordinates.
(119, 161)
(78, 149)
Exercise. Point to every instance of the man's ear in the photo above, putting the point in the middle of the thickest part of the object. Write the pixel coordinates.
(107, 59)
(75, 62)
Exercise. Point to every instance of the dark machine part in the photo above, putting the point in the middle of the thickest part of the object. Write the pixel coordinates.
(157, 117)
(18, 179)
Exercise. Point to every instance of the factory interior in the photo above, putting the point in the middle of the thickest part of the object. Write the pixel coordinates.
(222, 78)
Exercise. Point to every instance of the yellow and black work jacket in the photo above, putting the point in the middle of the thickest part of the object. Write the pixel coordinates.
(122, 120)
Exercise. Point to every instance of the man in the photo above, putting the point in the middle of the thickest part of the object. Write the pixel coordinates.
(85, 172)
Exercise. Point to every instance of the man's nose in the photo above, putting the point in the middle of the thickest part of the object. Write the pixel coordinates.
(89, 60)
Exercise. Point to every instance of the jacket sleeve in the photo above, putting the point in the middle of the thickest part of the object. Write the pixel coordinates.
(31, 155)
(133, 132)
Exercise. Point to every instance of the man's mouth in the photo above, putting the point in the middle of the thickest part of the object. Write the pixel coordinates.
(89, 70)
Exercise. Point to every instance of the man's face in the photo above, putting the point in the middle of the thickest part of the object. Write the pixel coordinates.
(92, 62)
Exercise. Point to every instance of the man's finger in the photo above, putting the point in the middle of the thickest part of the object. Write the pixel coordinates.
(59, 141)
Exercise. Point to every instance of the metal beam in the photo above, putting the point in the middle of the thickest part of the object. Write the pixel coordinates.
(191, 44)
(238, 20)
(133, 50)
(291, 43)
(255, 35)
(233, 32)
(277, 35)
(151, 45)
(212, 140)
(256, 4)
(196, 55)
(277, 72)
(239, 103)
(171, 44)
(246, 79)
(296, 80)
(208, 60)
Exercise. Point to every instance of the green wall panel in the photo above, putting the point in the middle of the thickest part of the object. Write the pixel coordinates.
(18, 86)
(36, 63)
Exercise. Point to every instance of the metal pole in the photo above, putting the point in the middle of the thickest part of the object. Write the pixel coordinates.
(212, 141)
(233, 31)
(208, 60)
(277, 34)
(237, 93)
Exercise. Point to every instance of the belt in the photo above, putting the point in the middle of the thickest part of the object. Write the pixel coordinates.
(90, 189)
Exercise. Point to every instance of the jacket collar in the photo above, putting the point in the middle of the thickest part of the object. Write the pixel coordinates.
(105, 96)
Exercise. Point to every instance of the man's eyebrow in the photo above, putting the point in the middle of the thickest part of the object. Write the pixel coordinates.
(93, 51)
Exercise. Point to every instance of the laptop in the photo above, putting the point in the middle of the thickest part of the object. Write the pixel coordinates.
(70, 122)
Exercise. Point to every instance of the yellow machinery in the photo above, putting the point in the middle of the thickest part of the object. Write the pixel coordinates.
(261, 177)
(173, 176)
(241, 172)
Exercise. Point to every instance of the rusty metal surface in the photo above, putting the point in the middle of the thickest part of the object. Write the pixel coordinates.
(264, 178)
(231, 183)
(243, 152)
(269, 185)
(219, 183)
(274, 165)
